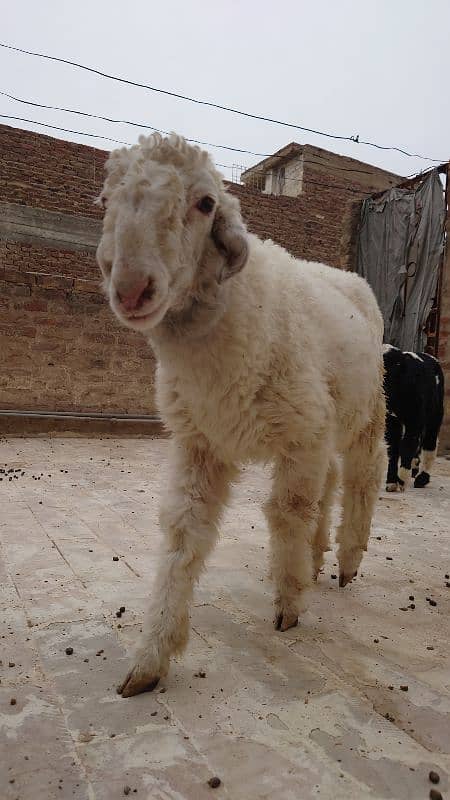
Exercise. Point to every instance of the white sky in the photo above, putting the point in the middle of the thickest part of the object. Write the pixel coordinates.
(377, 68)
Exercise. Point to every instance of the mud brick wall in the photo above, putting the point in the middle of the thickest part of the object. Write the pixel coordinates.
(60, 347)
(25, 257)
(42, 172)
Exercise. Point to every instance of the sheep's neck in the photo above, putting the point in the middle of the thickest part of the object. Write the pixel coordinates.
(203, 307)
(196, 319)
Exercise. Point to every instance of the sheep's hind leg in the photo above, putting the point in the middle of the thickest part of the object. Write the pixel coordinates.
(321, 543)
(293, 514)
(363, 469)
(197, 492)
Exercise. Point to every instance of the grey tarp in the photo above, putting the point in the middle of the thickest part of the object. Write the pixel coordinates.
(400, 245)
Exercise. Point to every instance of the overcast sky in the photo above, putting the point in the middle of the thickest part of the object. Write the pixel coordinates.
(376, 68)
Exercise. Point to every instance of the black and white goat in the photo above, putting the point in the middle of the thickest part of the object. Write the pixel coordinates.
(414, 388)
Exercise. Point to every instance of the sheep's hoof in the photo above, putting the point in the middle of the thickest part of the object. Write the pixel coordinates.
(344, 579)
(136, 682)
(286, 620)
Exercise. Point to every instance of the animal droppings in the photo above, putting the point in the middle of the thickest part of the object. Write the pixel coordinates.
(214, 782)
(434, 777)
(69, 651)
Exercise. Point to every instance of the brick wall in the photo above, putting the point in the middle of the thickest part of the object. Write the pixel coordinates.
(319, 225)
(24, 257)
(40, 171)
(61, 348)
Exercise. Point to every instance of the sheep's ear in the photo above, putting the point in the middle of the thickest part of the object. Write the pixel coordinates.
(230, 237)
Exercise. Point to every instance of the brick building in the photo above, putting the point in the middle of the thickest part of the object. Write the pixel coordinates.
(61, 350)
(292, 171)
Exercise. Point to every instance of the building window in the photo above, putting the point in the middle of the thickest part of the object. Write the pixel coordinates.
(260, 181)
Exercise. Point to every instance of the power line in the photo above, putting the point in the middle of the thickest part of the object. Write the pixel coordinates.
(323, 184)
(159, 130)
(83, 133)
(66, 130)
(127, 122)
(353, 138)
(224, 166)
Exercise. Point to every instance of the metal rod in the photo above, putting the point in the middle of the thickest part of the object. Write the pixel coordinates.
(80, 415)
(442, 263)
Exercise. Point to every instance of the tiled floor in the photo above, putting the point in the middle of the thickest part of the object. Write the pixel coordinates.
(314, 712)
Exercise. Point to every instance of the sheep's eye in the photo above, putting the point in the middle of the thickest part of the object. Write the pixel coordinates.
(205, 205)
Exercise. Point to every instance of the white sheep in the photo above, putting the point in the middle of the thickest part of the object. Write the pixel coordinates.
(280, 362)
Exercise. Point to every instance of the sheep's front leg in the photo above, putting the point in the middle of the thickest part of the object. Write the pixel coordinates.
(196, 494)
(293, 515)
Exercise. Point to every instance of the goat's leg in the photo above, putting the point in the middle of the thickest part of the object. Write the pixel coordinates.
(409, 447)
(416, 463)
(196, 495)
(434, 417)
(293, 513)
(393, 438)
(321, 542)
(364, 465)
(430, 445)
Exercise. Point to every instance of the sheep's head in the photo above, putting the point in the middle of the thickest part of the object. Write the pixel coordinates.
(169, 228)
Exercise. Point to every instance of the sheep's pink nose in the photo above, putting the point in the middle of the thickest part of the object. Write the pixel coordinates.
(132, 299)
